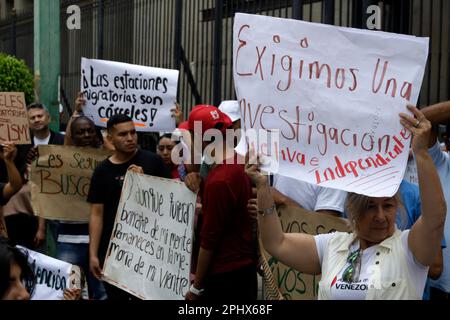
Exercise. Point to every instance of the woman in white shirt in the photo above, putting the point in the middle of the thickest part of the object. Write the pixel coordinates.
(376, 261)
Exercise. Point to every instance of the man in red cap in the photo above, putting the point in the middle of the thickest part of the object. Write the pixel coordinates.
(226, 266)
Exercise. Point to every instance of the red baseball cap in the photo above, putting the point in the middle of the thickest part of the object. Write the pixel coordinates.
(184, 125)
(210, 117)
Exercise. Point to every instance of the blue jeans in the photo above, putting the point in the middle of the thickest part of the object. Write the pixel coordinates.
(78, 254)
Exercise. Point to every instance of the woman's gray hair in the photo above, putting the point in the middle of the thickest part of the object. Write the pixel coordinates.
(356, 204)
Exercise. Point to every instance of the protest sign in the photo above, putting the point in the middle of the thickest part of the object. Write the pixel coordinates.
(145, 94)
(293, 284)
(334, 93)
(13, 118)
(52, 276)
(411, 174)
(149, 254)
(62, 175)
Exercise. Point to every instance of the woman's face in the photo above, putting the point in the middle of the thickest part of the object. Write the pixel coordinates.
(16, 289)
(378, 222)
(164, 149)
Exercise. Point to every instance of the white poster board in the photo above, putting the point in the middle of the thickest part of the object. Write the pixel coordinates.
(52, 276)
(149, 254)
(411, 174)
(334, 93)
(145, 94)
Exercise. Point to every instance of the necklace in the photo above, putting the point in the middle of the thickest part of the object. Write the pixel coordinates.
(353, 270)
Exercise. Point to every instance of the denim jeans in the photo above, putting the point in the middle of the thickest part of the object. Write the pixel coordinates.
(78, 254)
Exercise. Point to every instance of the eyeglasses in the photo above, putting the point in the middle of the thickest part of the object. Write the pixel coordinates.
(351, 273)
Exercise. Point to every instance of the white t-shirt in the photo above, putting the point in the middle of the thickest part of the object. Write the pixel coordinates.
(310, 197)
(40, 142)
(358, 290)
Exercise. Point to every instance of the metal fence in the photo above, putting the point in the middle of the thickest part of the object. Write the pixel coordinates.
(195, 36)
(16, 35)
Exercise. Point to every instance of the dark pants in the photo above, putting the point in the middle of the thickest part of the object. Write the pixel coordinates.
(241, 284)
(437, 294)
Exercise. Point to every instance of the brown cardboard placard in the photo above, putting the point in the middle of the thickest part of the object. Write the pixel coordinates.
(13, 118)
(60, 180)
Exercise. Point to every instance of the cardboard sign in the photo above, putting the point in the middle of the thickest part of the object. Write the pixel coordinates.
(149, 254)
(334, 93)
(13, 118)
(293, 284)
(62, 175)
(52, 276)
(145, 94)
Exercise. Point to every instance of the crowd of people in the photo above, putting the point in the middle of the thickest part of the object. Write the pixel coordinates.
(396, 248)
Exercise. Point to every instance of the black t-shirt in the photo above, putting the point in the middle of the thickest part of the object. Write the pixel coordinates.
(2, 200)
(106, 187)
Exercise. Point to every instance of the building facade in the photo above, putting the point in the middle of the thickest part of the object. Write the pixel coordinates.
(196, 37)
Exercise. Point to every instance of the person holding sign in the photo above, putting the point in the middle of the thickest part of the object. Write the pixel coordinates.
(73, 237)
(376, 261)
(106, 186)
(226, 264)
(80, 103)
(39, 120)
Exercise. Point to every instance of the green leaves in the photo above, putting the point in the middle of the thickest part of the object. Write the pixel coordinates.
(15, 76)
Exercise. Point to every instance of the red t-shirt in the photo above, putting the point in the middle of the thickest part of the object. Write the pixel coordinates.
(227, 228)
(174, 173)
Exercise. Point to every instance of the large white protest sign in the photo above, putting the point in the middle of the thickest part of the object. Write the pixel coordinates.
(149, 254)
(52, 276)
(145, 94)
(334, 93)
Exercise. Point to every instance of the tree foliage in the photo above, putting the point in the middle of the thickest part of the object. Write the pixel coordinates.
(15, 76)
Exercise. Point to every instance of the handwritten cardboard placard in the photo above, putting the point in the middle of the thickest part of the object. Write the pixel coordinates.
(62, 175)
(293, 284)
(145, 94)
(334, 93)
(52, 276)
(13, 118)
(149, 254)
